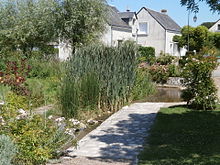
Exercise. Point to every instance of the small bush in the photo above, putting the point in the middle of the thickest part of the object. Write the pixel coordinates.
(7, 150)
(41, 68)
(147, 54)
(165, 59)
(13, 102)
(37, 139)
(200, 90)
(143, 85)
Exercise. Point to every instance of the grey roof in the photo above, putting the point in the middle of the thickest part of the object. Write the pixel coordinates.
(114, 18)
(164, 20)
(127, 14)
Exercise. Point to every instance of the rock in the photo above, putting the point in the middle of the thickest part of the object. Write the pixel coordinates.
(82, 126)
(91, 121)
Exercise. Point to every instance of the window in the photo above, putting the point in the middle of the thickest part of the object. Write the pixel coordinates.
(143, 28)
(218, 27)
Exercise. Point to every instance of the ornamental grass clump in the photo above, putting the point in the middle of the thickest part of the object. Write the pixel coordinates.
(8, 150)
(200, 92)
(100, 77)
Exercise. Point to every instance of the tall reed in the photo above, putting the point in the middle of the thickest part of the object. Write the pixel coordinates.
(100, 76)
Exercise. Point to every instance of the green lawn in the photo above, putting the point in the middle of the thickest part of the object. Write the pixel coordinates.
(183, 137)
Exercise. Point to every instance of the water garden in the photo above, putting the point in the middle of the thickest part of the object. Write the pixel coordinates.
(47, 105)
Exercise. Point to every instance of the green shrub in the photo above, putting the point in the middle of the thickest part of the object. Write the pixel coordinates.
(13, 102)
(200, 90)
(173, 70)
(37, 139)
(147, 54)
(143, 85)
(165, 59)
(41, 68)
(7, 150)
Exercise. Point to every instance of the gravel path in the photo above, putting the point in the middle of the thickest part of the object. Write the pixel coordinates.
(119, 139)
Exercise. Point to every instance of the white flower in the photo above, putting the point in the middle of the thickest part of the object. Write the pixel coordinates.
(70, 132)
(22, 114)
(2, 121)
(74, 121)
(60, 119)
(207, 97)
(2, 103)
(50, 117)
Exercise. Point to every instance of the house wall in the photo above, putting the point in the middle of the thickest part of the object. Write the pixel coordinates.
(65, 51)
(113, 35)
(214, 28)
(156, 36)
(106, 38)
(172, 47)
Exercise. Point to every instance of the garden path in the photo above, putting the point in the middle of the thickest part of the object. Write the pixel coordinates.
(119, 139)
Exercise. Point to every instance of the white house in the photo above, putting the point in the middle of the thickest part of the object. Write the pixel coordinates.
(116, 30)
(147, 28)
(215, 27)
(156, 29)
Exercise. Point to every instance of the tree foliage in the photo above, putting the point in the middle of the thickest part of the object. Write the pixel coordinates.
(80, 21)
(199, 37)
(194, 5)
(28, 24)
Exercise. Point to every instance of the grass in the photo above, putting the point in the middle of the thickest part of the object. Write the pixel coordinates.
(181, 136)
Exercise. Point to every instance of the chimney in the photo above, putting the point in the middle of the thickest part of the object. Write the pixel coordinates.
(128, 10)
(164, 11)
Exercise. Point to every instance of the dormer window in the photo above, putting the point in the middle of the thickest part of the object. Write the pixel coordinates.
(143, 28)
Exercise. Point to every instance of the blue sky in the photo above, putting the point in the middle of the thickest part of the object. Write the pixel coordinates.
(175, 10)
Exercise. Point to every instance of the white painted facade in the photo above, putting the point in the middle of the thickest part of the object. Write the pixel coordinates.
(65, 50)
(157, 36)
(114, 35)
(215, 27)
(142, 28)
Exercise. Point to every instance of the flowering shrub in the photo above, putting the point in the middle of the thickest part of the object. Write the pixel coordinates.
(37, 139)
(159, 73)
(15, 76)
(200, 90)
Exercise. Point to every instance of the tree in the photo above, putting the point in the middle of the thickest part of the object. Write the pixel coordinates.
(28, 24)
(198, 37)
(80, 21)
(194, 6)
